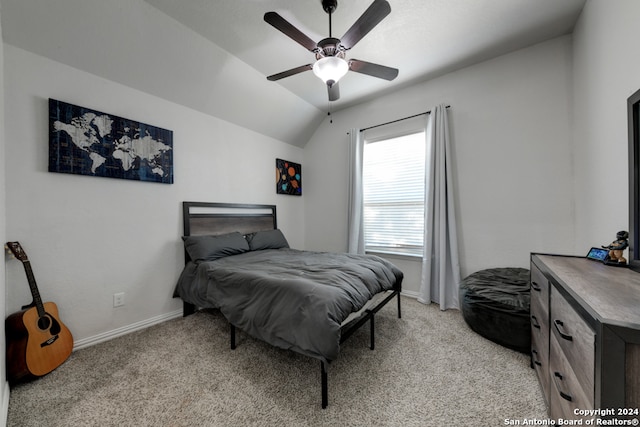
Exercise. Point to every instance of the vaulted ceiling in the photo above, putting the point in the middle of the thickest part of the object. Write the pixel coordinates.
(214, 56)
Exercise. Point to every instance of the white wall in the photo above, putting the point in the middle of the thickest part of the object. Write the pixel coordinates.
(606, 73)
(4, 387)
(137, 45)
(511, 133)
(87, 237)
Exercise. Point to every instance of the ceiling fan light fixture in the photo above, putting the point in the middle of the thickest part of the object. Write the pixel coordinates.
(330, 69)
(330, 52)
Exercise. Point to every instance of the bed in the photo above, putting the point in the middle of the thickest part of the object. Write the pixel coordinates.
(238, 261)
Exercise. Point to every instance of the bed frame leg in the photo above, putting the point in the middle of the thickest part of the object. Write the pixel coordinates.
(233, 336)
(187, 309)
(372, 344)
(325, 392)
(399, 311)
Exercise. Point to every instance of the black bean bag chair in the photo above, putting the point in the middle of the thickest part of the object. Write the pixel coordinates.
(495, 304)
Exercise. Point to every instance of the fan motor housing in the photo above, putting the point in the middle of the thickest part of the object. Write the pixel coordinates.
(330, 47)
(329, 6)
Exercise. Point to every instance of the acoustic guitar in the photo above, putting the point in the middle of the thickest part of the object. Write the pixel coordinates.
(37, 341)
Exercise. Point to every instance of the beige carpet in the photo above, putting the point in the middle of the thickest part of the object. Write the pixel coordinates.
(428, 369)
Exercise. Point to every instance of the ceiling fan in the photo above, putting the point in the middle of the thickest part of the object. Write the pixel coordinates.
(331, 65)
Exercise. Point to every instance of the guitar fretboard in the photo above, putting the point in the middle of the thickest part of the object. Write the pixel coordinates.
(34, 288)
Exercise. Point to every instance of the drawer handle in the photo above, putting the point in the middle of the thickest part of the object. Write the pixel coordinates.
(534, 357)
(560, 328)
(534, 322)
(536, 287)
(557, 376)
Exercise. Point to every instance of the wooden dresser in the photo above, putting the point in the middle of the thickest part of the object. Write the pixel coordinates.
(585, 343)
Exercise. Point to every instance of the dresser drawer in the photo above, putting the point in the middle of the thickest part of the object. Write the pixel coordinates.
(539, 327)
(540, 293)
(566, 391)
(539, 318)
(575, 339)
(540, 358)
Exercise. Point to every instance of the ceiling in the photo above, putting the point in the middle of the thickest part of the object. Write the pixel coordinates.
(422, 38)
(213, 56)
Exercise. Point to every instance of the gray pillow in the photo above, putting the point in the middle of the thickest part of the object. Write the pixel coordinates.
(271, 239)
(211, 248)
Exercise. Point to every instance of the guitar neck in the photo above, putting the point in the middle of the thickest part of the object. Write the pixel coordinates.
(34, 288)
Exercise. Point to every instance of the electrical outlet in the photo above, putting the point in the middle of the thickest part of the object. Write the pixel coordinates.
(118, 299)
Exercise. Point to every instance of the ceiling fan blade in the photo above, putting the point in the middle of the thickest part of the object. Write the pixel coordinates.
(371, 69)
(378, 10)
(290, 72)
(281, 24)
(334, 92)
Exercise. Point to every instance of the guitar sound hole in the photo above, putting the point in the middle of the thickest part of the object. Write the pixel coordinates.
(49, 322)
(44, 322)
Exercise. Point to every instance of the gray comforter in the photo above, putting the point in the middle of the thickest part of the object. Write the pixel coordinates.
(289, 298)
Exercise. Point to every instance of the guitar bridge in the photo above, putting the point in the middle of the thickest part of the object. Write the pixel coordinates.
(49, 341)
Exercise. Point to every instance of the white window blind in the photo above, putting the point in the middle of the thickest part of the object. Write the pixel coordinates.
(393, 187)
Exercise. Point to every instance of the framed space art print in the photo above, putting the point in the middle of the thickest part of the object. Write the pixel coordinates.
(88, 142)
(288, 178)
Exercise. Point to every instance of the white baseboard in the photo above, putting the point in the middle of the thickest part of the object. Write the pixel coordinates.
(106, 336)
(410, 294)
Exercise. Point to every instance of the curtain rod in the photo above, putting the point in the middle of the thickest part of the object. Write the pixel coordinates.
(399, 120)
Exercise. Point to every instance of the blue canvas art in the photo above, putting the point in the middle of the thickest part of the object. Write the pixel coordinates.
(88, 142)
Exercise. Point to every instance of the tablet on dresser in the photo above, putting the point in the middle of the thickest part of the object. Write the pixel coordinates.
(598, 254)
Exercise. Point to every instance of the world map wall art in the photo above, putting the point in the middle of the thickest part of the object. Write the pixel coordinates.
(88, 142)
(288, 178)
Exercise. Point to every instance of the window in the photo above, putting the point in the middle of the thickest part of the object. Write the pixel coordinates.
(393, 189)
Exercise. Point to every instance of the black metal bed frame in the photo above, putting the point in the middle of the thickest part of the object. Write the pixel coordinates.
(221, 218)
